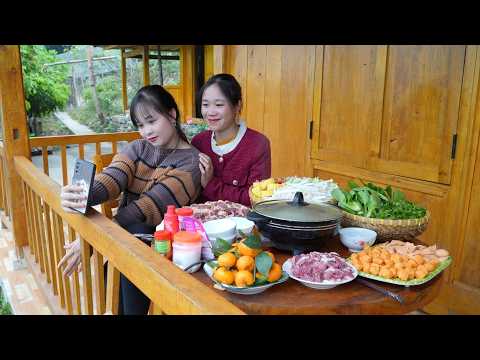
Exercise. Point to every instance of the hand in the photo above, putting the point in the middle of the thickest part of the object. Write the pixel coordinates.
(73, 258)
(73, 196)
(206, 169)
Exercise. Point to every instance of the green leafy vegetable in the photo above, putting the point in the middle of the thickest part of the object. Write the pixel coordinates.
(373, 201)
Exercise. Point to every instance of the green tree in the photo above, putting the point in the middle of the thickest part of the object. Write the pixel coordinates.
(45, 86)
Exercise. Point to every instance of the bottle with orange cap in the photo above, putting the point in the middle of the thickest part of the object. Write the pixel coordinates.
(187, 249)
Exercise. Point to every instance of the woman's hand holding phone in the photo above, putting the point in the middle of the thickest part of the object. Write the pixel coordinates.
(73, 197)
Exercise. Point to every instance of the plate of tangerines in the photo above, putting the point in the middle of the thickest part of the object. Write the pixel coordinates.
(244, 267)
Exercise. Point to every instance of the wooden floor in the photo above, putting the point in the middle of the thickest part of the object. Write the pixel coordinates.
(21, 289)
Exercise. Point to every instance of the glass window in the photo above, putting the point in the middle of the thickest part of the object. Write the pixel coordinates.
(170, 61)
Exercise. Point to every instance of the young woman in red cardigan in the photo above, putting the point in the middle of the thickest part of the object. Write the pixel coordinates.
(232, 156)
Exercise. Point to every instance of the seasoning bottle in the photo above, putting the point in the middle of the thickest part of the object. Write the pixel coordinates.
(187, 248)
(183, 213)
(170, 220)
(163, 243)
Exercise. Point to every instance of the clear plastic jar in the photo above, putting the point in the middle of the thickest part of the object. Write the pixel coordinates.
(187, 249)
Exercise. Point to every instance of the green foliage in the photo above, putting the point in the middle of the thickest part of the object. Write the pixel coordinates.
(5, 308)
(373, 201)
(109, 95)
(45, 87)
(263, 263)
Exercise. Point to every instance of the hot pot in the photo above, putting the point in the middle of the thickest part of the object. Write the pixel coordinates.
(296, 225)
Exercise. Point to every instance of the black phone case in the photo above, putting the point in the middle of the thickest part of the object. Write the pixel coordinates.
(84, 170)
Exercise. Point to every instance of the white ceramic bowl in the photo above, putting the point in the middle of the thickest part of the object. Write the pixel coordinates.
(354, 238)
(243, 224)
(220, 228)
(324, 285)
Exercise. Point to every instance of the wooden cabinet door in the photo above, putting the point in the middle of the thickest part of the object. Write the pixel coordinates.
(348, 99)
(420, 112)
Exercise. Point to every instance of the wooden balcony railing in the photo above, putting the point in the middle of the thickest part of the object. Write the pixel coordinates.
(171, 290)
(5, 208)
(48, 142)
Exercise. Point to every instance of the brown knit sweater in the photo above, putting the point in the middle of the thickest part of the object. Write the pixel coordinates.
(150, 178)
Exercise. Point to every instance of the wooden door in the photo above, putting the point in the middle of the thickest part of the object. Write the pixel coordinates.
(348, 95)
(465, 298)
(420, 111)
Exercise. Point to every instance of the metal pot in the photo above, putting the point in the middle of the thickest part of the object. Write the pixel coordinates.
(296, 225)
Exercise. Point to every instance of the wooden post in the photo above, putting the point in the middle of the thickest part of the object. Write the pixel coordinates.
(15, 136)
(146, 65)
(219, 59)
(124, 80)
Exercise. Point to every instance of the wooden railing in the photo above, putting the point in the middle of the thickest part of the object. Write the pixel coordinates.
(46, 142)
(171, 290)
(5, 207)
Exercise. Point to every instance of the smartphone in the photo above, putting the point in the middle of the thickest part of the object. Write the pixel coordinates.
(83, 175)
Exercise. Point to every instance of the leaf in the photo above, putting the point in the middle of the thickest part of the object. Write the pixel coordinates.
(338, 195)
(263, 263)
(253, 242)
(364, 197)
(221, 247)
(352, 184)
(398, 196)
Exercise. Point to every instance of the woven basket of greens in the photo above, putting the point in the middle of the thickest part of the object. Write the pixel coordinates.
(383, 210)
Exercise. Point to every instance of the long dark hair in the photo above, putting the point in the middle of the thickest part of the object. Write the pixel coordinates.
(228, 85)
(159, 99)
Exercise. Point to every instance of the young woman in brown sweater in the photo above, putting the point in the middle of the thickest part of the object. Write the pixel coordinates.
(158, 170)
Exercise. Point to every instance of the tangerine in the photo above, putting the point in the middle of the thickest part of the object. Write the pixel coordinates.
(275, 272)
(224, 276)
(246, 250)
(227, 260)
(245, 263)
(244, 278)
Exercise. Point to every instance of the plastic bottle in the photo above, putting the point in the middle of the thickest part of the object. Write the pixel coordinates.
(183, 213)
(170, 220)
(187, 248)
(163, 243)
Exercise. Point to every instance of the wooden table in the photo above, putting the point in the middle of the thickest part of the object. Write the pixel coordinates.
(293, 298)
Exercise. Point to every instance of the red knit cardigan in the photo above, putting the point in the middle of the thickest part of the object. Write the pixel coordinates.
(248, 162)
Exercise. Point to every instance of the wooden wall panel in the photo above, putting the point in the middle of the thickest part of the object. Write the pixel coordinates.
(274, 82)
(349, 110)
(421, 109)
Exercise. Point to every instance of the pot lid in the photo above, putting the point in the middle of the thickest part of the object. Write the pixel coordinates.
(297, 210)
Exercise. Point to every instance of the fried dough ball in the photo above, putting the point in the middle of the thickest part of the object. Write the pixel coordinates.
(385, 272)
(429, 266)
(376, 252)
(411, 274)
(357, 264)
(385, 255)
(389, 263)
(394, 272)
(354, 256)
(374, 269)
(399, 266)
(420, 274)
(411, 263)
(377, 260)
(403, 274)
(365, 259)
(366, 267)
(396, 258)
(419, 259)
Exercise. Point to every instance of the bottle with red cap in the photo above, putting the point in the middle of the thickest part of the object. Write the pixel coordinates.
(163, 243)
(170, 220)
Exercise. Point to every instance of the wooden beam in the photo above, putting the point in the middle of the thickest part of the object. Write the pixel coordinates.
(146, 66)
(124, 80)
(15, 136)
